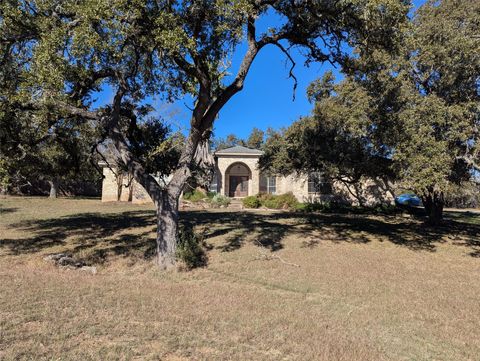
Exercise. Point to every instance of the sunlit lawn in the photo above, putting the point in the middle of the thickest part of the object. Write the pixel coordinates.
(367, 287)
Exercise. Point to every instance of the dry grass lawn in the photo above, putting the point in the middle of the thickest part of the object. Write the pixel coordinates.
(368, 287)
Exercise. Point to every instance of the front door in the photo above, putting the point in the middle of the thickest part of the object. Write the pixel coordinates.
(238, 186)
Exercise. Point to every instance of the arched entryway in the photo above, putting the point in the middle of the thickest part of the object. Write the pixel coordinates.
(237, 178)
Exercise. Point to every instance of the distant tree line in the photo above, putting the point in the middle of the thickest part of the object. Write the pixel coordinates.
(255, 140)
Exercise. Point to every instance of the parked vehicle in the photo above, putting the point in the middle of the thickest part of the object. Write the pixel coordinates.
(408, 199)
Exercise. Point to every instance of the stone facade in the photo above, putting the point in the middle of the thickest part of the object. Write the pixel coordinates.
(242, 163)
(121, 188)
(110, 186)
(226, 167)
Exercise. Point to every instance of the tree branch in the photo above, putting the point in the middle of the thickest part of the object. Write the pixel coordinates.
(133, 165)
(237, 84)
(290, 74)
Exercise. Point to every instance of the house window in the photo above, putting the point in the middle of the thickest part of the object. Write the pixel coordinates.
(318, 183)
(213, 187)
(272, 185)
(268, 184)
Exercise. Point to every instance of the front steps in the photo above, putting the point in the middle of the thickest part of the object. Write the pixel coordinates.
(235, 203)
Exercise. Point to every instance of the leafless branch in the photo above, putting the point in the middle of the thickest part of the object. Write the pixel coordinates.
(268, 257)
(290, 74)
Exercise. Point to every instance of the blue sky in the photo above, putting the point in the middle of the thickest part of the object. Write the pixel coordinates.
(266, 99)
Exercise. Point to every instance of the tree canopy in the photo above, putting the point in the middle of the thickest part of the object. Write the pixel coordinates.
(329, 140)
(66, 51)
(440, 96)
(410, 115)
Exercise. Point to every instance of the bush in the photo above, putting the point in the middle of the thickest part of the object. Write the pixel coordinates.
(466, 195)
(280, 201)
(287, 200)
(302, 207)
(210, 195)
(195, 196)
(385, 209)
(251, 202)
(219, 200)
(190, 248)
(272, 201)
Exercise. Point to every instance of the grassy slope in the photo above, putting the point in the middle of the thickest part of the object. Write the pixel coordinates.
(368, 288)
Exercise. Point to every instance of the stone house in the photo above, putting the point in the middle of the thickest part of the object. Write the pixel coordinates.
(237, 176)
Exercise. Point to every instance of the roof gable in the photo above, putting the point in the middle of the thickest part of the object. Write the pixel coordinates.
(238, 149)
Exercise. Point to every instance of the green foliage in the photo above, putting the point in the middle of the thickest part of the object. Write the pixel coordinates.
(251, 202)
(255, 139)
(438, 102)
(272, 201)
(55, 58)
(4, 175)
(409, 113)
(279, 201)
(315, 206)
(195, 196)
(276, 158)
(210, 195)
(219, 201)
(65, 52)
(41, 149)
(321, 88)
(152, 142)
(334, 140)
(288, 200)
(465, 195)
(229, 141)
(190, 248)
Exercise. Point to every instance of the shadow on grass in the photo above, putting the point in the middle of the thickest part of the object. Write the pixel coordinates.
(7, 210)
(94, 237)
(88, 236)
(463, 216)
(271, 229)
(238, 227)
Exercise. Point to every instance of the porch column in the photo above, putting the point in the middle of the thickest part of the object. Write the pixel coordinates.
(254, 184)
(224, 184)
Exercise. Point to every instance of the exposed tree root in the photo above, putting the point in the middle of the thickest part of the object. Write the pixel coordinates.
(268, 257)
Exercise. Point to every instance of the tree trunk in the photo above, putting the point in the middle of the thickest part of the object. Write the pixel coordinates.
(130, 188)
(436, 213)
(167, 204)
(54, 184)
(167, 230)
(119, 180)
(434, 202)
(165, 199)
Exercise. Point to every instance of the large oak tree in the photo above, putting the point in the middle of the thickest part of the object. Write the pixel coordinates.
(425, 100)
(140, 48)
(412, 115)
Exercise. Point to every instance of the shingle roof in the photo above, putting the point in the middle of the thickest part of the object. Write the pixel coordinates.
(238, 149)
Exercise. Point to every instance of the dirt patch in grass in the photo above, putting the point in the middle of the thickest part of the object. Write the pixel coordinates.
(368, 287)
